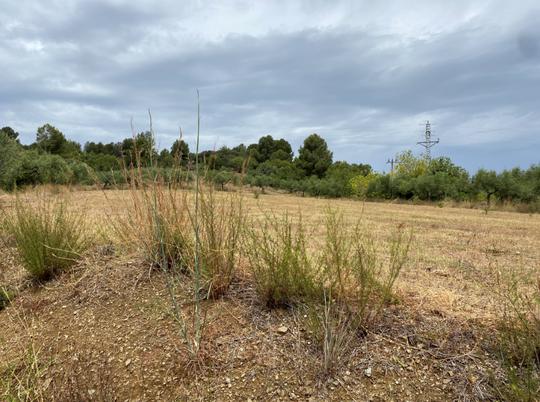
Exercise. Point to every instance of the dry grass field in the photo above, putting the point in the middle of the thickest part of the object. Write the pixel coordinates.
(102, 331)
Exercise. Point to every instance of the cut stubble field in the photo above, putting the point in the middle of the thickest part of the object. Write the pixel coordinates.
(106, 322)
(455, 258)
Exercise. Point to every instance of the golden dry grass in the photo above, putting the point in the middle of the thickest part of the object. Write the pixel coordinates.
(446, 288)
(456, 255)
(455, 258)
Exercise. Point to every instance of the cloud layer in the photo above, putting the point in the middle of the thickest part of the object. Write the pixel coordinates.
(364, 75)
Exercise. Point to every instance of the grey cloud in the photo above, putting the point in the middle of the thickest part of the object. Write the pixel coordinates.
(364, 90)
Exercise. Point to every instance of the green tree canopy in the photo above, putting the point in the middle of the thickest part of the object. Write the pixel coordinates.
(268, 147)
(111, 148)
(314, 157)
(180, 150)
(487, 182)
(140, 149)
(51, 140)
(10, 132)
(410, 165)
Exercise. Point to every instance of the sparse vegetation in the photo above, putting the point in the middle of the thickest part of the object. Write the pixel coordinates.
(337, 271)
(19, 380)
(21, 377)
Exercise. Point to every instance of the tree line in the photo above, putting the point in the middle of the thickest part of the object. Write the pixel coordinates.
(269, 163)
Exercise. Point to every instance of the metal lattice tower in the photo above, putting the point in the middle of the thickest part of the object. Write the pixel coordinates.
(428, 143)
(392, 162)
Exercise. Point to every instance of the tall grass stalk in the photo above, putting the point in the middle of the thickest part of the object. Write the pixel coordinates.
(198, 322)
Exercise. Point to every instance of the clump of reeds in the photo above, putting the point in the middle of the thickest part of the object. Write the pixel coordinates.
(344, 282)
(332, 328)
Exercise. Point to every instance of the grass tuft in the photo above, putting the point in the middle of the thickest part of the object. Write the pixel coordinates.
(519, 340)
(221, 230)
(333, 330)
(48, 237)
(355, 272)
(282, 269)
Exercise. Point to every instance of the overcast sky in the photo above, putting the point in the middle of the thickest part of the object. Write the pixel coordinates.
(362, 74)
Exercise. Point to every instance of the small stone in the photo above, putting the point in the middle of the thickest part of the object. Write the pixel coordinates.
(282, 330)
(368, 372)
(128, 362)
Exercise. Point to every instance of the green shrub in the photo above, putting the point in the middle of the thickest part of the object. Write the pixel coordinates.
(9, 159)
(82, 173)
(33, 168)
(54, 169)
(27, 171)
(283, 272)
(110, 178)
(48, 237)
